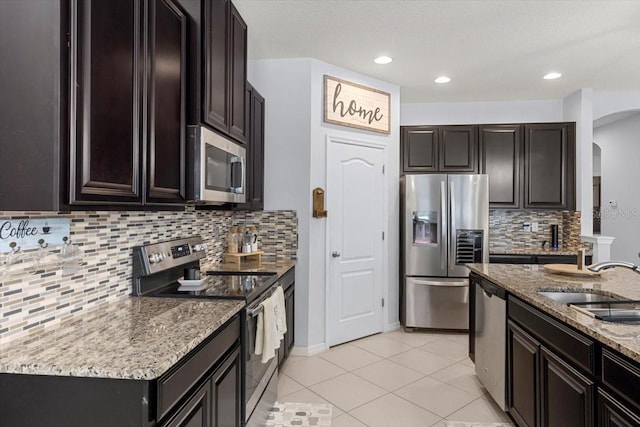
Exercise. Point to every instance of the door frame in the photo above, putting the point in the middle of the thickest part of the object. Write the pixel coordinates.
(329, 139)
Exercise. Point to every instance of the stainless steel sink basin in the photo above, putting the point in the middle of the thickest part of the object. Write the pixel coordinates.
(575, 297)
(612, 311)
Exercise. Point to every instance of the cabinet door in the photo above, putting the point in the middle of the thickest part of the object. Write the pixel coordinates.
(238, 128)
(566, 396)
(290, 308)
(166, 103)
(196, 412)
(106, 84)
(419, 145)
(549, 166)
(254, 186)
(458, 149)
(216, 73)
(500, 158)
(612, 413)
(225, 398)
(522, 376)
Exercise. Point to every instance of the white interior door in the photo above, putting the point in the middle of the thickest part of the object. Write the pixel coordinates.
(355, 202)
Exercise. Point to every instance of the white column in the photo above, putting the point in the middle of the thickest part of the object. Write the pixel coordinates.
(601, 247)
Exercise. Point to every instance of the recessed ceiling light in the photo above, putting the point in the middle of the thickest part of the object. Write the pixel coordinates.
(382, 60)
(442, 79)
(551, 76)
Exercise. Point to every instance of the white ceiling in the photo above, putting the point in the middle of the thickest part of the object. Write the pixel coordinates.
(492, 50)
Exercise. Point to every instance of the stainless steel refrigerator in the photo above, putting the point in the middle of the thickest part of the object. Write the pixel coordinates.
(445, 224)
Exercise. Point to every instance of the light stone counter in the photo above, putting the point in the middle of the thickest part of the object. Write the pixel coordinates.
(517, 251)
(138, 338)
(524, 281)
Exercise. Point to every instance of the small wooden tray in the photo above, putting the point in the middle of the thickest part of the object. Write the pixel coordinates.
(570, 270)
(248, 256)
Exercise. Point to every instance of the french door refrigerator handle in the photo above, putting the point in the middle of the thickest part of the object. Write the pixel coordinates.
(443, 225)
(452, 240)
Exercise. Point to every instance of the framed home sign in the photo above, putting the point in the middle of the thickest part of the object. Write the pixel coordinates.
(357, 106)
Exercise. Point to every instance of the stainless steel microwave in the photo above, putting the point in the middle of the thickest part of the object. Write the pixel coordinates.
(215, 168)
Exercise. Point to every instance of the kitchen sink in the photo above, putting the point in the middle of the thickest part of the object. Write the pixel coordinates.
(613, 311)
(576, 297)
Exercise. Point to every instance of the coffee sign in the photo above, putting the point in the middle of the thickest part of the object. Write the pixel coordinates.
(27, 233)
(357, 106)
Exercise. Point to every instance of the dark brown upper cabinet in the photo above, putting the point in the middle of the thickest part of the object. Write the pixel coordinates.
(33, 126)
(127, 99)
(225, 69)
(419, 149)
(501, 158)
(166, 103)
(106, 102)
(458, 148)
(426, 149)
(549, 166)
(255, 150)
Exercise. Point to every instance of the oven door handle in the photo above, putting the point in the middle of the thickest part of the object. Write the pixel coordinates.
(257, 308)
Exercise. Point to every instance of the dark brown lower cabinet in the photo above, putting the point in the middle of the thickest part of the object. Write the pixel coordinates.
(613, 413)
(196, 412)
(560, 377)
(566, 396)
(201, 390)
(288, 284)
(217, 402)
(523, 372)
(225, 396)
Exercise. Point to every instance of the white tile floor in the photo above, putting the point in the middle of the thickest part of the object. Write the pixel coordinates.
(393, 379)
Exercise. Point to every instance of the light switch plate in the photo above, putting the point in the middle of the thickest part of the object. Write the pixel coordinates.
(534, 227)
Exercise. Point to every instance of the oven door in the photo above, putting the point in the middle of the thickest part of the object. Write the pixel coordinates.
(217, 167)
(257, 374)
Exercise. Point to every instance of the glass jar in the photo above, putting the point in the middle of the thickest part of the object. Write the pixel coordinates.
(232, 241)
(241, 230)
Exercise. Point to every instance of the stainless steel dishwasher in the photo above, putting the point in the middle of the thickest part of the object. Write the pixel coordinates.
(490, 339)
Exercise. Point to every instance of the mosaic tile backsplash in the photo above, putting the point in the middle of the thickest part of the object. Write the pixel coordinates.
(31, 298)
(506, 230)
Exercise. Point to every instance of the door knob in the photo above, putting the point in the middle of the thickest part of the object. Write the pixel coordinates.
(335, 254)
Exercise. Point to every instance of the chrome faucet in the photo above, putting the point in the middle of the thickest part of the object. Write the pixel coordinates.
(610, 264)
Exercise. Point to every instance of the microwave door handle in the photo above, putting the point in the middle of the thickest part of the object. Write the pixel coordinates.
(237, 166)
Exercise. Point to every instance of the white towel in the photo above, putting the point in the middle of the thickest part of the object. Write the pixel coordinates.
(280, 312)
(259, 334)
(270, 341)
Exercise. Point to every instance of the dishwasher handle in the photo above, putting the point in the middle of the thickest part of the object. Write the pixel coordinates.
(491, 289)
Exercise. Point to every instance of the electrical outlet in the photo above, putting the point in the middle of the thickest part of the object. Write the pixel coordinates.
(534, 227)
(527, 227)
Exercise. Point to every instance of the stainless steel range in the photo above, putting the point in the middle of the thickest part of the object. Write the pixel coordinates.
(158, 270)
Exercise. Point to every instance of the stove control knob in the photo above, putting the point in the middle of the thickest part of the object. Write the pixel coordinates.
(152, 259)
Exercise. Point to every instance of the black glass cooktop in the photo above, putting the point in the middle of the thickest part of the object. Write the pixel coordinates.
(224, 285)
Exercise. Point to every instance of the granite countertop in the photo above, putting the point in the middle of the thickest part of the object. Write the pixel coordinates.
(279, 266)
(525, 281)
(138, 338)
(523, 251)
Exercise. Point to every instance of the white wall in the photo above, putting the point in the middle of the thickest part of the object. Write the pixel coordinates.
(605, 103)
(295, 163)
(620, 145)
(285, 85)
(451, 113)
(319, 133)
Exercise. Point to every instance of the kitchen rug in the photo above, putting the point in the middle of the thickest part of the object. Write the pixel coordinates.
(475, 424)
(300, 414)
